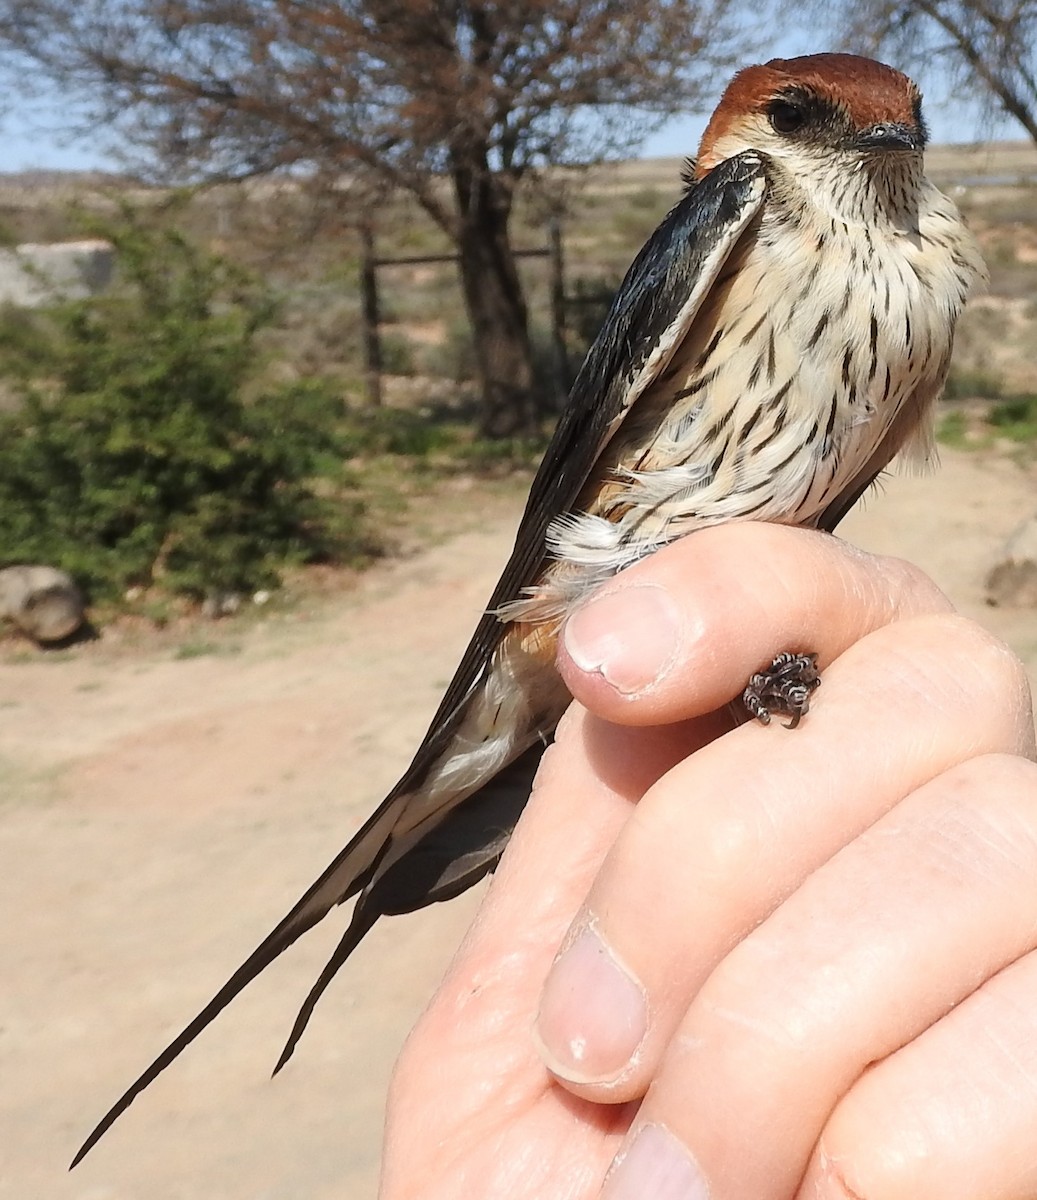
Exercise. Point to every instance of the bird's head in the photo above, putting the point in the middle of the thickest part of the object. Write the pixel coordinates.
(821, 116)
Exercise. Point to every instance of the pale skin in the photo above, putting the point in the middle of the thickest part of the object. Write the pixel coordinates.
(828, 936)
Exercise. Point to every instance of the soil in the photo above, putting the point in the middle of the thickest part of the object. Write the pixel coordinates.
(161, 806)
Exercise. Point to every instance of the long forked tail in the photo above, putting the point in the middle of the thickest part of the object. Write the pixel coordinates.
(463, 848)
(342, 879)
(438, 831)
(445, 862)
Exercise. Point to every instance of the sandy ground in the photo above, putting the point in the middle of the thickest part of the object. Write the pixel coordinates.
(159, 814)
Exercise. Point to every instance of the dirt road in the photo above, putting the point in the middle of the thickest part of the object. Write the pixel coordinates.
(159, 813)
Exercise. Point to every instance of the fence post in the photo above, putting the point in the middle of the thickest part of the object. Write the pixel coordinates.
(561, 358)
(369, 316)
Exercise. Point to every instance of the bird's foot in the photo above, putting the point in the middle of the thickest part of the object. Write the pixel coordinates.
(783, 689)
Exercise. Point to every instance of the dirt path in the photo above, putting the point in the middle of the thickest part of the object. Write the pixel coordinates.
(159, 814)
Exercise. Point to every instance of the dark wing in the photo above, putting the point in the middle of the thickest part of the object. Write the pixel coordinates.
(646, 322)
(655, 305)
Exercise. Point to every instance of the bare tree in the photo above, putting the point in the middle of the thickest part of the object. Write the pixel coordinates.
(989, 45)
(455, 101)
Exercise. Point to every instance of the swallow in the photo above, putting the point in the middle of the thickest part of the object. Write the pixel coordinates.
(783, 333)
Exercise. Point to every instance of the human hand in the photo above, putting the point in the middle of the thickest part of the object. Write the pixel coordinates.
(805, 960)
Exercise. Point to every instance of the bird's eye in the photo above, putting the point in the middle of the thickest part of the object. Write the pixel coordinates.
(786, 117)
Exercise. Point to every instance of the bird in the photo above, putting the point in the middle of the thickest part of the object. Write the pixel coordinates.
(783, 333)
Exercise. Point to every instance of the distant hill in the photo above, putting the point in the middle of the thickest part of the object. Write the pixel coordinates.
(66, 180)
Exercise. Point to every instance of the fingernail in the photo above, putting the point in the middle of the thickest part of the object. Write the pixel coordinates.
(593, 1014)
(656, 1166)
(630, 637)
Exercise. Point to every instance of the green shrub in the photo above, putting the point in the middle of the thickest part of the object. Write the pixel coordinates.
(399, 432)
(953, 430)
(131, 458)
(1015, 417)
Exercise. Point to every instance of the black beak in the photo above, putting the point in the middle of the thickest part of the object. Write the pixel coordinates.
(891, 136)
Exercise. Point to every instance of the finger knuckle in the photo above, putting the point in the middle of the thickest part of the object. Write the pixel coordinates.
(911, 589)
(958, 658)
(995, 796)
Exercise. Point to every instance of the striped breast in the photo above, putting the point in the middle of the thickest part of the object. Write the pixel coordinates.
(818, 354)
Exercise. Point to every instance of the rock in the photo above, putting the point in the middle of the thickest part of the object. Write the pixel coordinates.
(220, 604)
(1012, 582)
(42, 601)
(40, 273)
